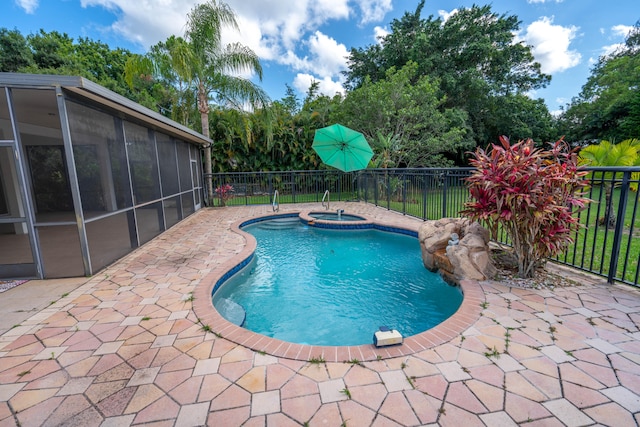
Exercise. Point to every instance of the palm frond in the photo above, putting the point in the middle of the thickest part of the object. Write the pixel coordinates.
(235, 58)
(205, 23)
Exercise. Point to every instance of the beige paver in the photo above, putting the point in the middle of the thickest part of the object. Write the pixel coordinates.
(192, 415)
(333, 391)
(129, 348)
(567, 413)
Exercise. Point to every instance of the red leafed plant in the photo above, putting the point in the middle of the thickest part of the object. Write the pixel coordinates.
(529, 193)
(224, 192)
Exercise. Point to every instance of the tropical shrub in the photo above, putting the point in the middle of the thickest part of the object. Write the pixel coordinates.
(224, 193)
(625, 153)
(529, 193)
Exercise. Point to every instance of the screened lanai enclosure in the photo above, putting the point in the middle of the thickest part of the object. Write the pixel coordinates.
(86, 175)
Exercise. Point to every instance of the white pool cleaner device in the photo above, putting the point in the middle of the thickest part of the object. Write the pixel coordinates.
(384, 337)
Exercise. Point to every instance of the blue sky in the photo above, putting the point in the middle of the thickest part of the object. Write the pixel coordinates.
(300, 41)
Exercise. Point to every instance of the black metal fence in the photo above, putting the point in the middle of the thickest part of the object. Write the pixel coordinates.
(608, 245)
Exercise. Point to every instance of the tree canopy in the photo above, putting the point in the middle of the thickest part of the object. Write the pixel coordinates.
(426, 95)
(404, 116)
(608, 107)
(474, 57)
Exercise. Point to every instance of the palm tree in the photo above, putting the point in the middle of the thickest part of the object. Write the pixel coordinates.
(625, 153)
(211, 68)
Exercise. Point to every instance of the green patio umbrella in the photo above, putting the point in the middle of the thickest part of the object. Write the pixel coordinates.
(342, 148)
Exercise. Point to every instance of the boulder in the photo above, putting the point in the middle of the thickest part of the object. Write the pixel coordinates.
(435, 235)
(469, 257)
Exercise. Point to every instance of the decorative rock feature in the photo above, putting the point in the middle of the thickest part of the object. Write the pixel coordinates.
(457, 248)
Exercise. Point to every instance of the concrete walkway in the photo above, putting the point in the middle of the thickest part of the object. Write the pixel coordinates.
(126, 348)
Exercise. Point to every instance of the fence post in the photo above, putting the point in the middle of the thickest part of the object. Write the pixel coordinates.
(388, 192)
(404, 193)
(617, 235)
(444, 193)
(375, 190)
(425, 180)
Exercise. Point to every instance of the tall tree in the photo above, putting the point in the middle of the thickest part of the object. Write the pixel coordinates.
(625, 153)
(210, 67)
(51, 50)
(608, 106)
(404, 116)
(14, 51)
(473, 55)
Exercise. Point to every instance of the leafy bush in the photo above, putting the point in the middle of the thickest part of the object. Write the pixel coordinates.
(224, 192)
(530, 193)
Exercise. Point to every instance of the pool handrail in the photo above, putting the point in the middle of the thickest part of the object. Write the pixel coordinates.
(275, 205)
(326, 195)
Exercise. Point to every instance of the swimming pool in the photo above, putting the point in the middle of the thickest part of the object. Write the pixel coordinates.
(317, 286)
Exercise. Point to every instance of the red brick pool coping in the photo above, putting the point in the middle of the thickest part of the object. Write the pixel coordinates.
(466, 315)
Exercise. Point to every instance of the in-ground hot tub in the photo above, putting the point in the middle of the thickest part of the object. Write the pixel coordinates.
(335, 216)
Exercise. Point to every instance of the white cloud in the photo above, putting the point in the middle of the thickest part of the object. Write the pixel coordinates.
(326, 86)
(446, 15)
(551, 45)
(133, 21)
(374, 10)
(609, 49)
(330, 57)
(324, 64)
(380, 32)
(29, 6)
(283, 31)
(285, 22)
(617, 31)
(295, 62)
(621, 30)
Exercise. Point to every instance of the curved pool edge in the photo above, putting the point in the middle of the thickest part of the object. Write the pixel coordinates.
(467, 314)
(307, 218)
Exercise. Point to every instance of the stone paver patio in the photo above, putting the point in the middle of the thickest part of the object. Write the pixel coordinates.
(128, 348)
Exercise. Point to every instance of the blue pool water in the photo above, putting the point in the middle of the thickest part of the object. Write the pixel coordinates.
(336, 287)
(335, 217)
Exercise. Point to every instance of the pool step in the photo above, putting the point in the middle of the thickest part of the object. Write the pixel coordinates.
(279, 224)
(231, 311)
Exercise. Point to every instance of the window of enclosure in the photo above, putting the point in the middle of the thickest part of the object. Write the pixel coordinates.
(150, 220)
(6, 130)
(196, 173)
(111, 238)
(38, 123)
(143, 162)
(195, 166)
(187, 204)
(172, 211)
(168, 164)
(60, 249)
(4, 206)
(15, 246)
(184, 166)
(100, 158)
